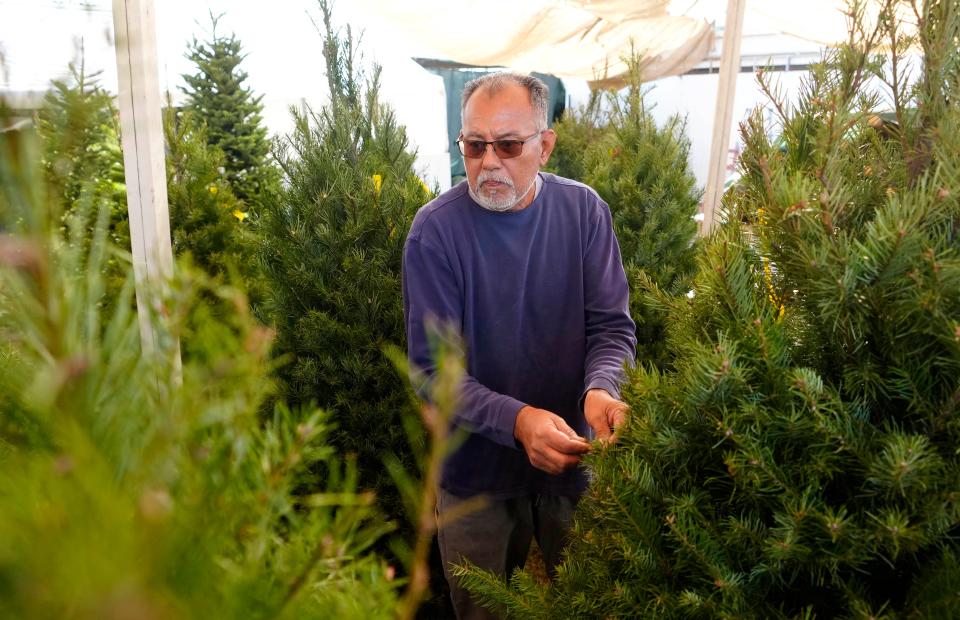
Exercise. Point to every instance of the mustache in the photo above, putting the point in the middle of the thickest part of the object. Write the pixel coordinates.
(484, 176)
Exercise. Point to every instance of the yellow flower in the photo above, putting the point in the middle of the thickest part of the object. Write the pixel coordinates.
(772, 296)
(426, 189)
(213, 189)
(377, 183)
(240, 215)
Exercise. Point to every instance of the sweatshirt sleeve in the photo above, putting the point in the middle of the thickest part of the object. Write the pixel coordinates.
(610, 332)
(431, 293)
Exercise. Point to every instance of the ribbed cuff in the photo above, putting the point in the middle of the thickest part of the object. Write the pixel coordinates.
(506, 422)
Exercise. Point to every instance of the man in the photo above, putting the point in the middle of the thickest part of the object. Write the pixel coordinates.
(526, 266)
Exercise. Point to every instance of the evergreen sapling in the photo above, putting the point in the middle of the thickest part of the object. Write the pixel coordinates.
(642, 172)
(207, 221)
(128, 489)
(218, 97)
(331, 249)
(800, 459)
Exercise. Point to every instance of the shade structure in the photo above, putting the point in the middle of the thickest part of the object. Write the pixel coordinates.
(826, 21)
(568, 38)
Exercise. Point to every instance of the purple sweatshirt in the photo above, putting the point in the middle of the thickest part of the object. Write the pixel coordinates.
(540, 298)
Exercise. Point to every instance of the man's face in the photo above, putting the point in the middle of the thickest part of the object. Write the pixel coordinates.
(504, 184)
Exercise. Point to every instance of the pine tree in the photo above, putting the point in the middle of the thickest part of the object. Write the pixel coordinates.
(801, 459)
(129, 492)
(332, 249)
(217, 96)
(79, 132)
(207, 220)
(641, 170)
(577, 132)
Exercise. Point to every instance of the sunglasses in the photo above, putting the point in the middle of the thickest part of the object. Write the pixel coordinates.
(505, 149)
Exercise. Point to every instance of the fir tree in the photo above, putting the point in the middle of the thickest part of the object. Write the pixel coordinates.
(207, 220)
(332, 249)
(217, 96)
(641, 170)
(577, 132)
(127, 491)
(79, 132)
(801, 460)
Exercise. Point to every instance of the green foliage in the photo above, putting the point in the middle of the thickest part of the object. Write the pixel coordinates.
(577, 132)
(641, 171)
(217, 96)
(79, 129)
(82, 161)
(332, 249)
(83, 164)
(800, 460)
(207, 220)
(131, 487)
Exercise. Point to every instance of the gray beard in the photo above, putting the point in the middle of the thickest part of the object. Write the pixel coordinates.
(499, 206)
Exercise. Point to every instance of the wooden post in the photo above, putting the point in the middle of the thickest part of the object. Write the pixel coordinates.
(729, 68)
(143, 160)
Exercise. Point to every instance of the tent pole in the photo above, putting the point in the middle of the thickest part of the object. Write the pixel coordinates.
(729, 68)
(143, 161)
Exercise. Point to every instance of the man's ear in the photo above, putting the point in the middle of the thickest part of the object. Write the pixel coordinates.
(547, 141)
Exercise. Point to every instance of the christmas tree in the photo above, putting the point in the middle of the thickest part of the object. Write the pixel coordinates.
(132, 489)
(577, 132)
(79, 133)
(217, 96)
(800, 461)
(78, 130)
(207, 220)
(641, 171)
(332, 248)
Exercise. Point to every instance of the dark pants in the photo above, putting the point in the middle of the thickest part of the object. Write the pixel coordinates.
(496, 537)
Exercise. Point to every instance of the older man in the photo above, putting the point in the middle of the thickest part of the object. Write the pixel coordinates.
(525, 264)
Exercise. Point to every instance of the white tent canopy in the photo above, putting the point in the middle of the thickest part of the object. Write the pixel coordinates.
(583, 39)
(587, 39)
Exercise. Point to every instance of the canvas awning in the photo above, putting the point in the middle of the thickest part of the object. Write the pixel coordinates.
(583, 39)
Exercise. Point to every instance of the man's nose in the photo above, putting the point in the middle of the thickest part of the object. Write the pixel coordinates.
(490, 161)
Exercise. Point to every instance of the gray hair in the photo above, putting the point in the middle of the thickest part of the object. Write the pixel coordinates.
(539, 92)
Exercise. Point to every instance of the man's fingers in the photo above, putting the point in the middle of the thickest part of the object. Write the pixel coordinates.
(566, 443)
(561, 425)
(561, 448)
(602, 430)
(619, 417)
(553, 461)
(550, 443)
(609, 422)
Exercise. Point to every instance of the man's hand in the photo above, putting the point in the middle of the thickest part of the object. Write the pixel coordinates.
(551, 445)
(604, 413)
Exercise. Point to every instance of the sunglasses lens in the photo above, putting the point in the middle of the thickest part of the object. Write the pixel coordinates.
(473, 149)
(508, 148)
(505, 149)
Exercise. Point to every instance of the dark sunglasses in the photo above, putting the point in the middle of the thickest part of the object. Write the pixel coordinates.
(505, 149)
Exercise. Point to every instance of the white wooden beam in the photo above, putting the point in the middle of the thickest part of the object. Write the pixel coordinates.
(143, 159)
(723, 117)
